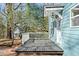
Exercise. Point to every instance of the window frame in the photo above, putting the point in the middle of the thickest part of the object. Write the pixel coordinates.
(73, 16)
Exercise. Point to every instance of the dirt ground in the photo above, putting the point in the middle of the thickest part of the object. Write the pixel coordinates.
(10, 51)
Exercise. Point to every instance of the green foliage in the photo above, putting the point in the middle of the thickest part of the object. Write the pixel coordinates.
(36, 16)
(2, 27)
(31, 19)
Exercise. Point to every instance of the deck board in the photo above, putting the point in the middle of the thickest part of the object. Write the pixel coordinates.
(39, 46)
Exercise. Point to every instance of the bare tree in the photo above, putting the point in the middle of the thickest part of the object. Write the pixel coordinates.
(9, 9)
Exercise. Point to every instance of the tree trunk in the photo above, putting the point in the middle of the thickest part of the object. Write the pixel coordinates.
(9, 10)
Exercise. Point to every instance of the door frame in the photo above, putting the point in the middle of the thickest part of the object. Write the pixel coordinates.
(58, 33)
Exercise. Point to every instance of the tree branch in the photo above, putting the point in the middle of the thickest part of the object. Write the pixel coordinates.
(17, 6)
(3, 14)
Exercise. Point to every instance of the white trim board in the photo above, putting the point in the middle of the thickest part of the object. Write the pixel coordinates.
(53, 8)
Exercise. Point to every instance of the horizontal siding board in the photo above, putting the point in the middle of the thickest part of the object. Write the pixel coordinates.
(67, 29)
(65, 14)
(69, 33)
(65, 26)
(71, 38)
(67, 22)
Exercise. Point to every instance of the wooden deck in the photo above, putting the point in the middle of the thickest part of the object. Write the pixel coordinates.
(39, 47)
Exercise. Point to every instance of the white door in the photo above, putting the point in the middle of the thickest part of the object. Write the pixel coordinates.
(58, 32)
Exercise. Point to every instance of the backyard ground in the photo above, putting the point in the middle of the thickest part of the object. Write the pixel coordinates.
(9, 51)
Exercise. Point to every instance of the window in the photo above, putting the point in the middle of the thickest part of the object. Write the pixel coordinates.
(75, 17)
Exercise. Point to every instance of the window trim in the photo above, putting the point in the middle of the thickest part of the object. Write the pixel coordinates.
(73, 16)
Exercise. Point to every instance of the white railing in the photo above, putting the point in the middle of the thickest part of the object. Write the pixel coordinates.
(34, 35)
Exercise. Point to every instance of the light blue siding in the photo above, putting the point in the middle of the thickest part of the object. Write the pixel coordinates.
(70, 36)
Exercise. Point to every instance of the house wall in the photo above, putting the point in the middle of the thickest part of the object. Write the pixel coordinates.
(70, 35)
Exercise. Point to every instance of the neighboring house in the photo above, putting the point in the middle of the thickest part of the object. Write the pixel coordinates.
(68, 35)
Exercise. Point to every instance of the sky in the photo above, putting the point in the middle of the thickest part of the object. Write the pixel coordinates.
(2, 6)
